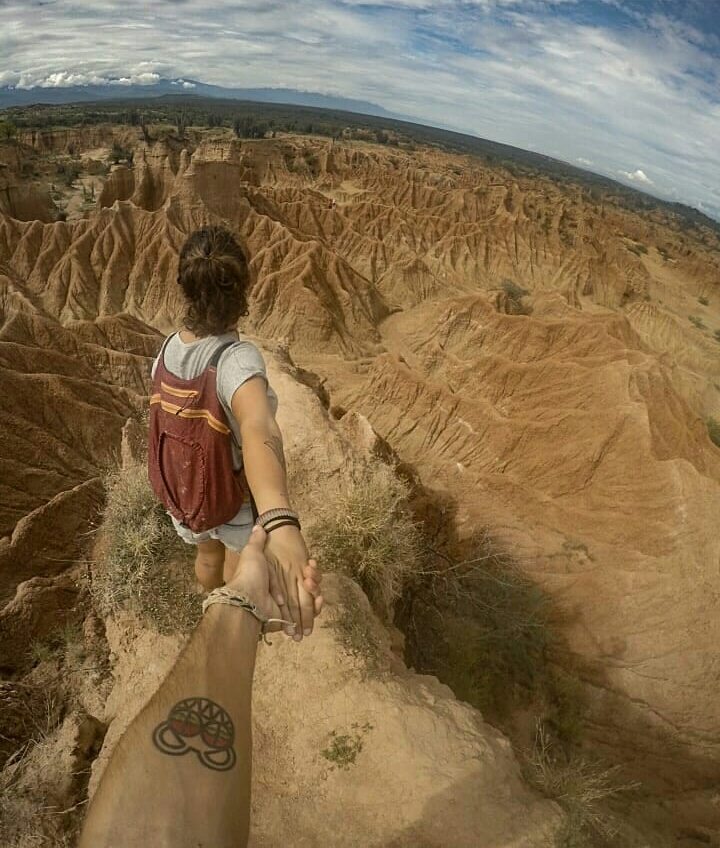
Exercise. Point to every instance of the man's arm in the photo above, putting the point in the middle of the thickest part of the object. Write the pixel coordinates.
(180, 776)
(264, 463)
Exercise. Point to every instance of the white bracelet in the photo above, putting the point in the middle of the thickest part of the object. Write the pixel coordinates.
(223, 595)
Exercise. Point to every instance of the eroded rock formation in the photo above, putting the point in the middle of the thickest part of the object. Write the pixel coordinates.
(542, 357)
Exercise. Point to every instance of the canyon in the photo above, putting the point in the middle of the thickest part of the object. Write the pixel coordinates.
(544, 359)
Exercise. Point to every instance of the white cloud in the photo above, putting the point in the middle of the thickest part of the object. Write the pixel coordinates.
(637, 176)
(521, 72)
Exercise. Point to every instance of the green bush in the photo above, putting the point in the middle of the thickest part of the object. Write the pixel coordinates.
(704, 301)
(696, 321)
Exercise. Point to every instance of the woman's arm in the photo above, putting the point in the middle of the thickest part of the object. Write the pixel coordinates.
(264, 463)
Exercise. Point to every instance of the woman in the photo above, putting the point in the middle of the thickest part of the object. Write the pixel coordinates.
(213, 432)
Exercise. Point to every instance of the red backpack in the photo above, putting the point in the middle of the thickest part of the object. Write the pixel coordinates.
(190, 463)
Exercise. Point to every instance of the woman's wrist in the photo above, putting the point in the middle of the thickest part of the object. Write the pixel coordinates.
(272, 517)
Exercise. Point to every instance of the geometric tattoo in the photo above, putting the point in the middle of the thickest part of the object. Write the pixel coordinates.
(202, 726)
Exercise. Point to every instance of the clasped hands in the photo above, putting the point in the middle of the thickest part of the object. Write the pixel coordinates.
(260, 577)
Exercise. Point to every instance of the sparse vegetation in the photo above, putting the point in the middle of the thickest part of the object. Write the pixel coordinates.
(353, 626)
(34, 712)
(145, 565)
(637, 248)
(40, 651)
(513, 290)
(65, 642)
(580, 787)
(489, 626)
(717, 335)
(703, 301)
(516, 294)
(366, 530)
(713, 427)
(487, 632)
(119, 154)
(249, 127)
(8, 130)
(696, 321)
(342, 749)
(70, 174)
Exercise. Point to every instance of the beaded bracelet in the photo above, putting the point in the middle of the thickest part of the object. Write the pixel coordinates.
(223, 595)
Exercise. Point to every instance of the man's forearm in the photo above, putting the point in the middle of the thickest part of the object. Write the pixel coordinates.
(188, 752)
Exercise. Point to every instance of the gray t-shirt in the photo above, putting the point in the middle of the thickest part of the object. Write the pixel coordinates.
(237, 364)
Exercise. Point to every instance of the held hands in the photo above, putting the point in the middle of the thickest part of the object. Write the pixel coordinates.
(268, 586)
(288, 557)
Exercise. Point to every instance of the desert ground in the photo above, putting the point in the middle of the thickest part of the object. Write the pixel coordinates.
(537, 363)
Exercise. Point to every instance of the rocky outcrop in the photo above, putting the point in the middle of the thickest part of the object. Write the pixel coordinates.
(68, 392)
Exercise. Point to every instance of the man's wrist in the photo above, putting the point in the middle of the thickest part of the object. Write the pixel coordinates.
(238, 622)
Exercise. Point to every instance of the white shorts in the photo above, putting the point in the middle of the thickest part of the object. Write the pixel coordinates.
(233, 535)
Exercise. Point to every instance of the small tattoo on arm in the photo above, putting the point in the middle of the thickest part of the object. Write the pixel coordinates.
(276, 446)
(201, 726)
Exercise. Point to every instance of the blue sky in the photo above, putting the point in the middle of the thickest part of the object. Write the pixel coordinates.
(627, 88)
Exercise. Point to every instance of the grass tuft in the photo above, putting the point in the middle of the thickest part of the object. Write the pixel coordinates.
(145, 564)
(579, 786)
(713, 426)
(353, 627)
(367, 532)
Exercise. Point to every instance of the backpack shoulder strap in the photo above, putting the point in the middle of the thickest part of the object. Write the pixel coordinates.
(161, 357)
(218, 353)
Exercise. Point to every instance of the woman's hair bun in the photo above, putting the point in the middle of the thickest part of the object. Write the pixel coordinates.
(215, 278)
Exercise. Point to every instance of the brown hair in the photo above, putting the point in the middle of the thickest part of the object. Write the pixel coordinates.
(215, 279)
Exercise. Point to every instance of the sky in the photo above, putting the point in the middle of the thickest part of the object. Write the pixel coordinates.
(627, 88)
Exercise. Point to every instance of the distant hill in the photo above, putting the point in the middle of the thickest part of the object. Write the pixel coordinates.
(92, 93)
(224, 107)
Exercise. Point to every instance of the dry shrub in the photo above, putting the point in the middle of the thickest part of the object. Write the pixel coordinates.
(483, 629)
(144, 566)
(580, 786)
(33, 713)
(366, 531)
(28, 713)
